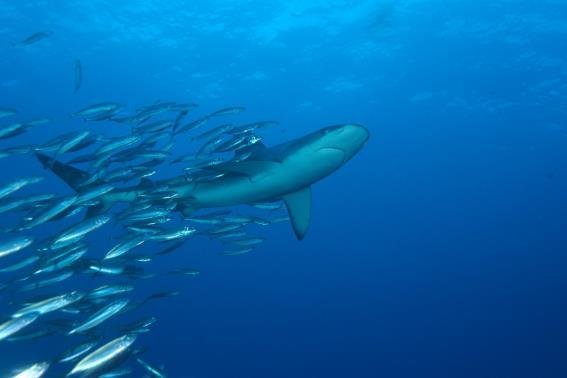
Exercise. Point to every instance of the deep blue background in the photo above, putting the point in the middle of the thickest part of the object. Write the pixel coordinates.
(439, 251)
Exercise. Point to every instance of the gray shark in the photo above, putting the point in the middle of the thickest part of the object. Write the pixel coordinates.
(286, 171)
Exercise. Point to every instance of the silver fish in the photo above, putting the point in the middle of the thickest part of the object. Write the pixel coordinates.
(106, 291)
(34, 371)
(14, 325)
(13, 245)
(18, 184)
(22, 264)
(77, 352)
(124, 247)
(48, 281)
(78, 75)
(76, 232)
(103, 355)
(100, 316)
(49, 304)
(152, 370)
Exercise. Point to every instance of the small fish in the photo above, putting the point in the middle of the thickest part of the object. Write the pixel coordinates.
(51, 213)
(231, 235)
(25, 203)
(170, 249)
(100, 316)
(18, 184)
(173, 235)
(94, 193)
(76, 232)
(211, 145)
(78, 76)
(146, 214)
(48, 281)
(118, 143)
(154, 127)
(124, 246)
(14, 325)
(34, 38)
(108, 269)
(214, 132)
(226, 228)
(268, 205)
(12, 130)
(109, 290)
(228, 111)
(281, 219)
(74, 142)
(238, 219)
(65, 262)
(7, 112)
(152, 370)
(78, 351)
(248, 241)
(13, 245)
(102, 113)
(34, 371)
(161, 295)
(140, 326)
(233, 144)
(20, 265)
(42, 332)
(186, 272)
(237, 252)
(248, 128)
(122, 372)
(103, 355)
(192, 125)
(50, 304)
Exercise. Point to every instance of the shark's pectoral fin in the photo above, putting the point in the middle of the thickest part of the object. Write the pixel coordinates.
(249, 168)
(299, 208)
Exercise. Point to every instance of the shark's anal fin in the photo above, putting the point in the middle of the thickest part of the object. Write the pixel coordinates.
(185, 208)
(299, 208)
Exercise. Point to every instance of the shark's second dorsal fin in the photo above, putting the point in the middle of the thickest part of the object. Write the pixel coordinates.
(299, 208)
(146, 183)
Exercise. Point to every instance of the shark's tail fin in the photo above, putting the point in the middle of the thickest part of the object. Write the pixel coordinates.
(72, 176)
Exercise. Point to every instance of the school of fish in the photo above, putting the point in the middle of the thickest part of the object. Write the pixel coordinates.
(54, 278)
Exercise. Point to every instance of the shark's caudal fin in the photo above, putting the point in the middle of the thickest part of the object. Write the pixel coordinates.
(299, 208)
(71, 175)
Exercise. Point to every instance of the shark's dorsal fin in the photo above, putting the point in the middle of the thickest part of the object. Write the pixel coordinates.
(256, 151)
(299, 208)
(248, 168)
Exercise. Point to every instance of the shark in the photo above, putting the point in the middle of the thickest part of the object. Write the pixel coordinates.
(283, 172)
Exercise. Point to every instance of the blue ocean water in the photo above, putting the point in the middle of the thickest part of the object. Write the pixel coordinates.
(438, 251)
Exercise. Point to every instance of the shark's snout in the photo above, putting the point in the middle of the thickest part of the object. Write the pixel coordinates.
(351, 138)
